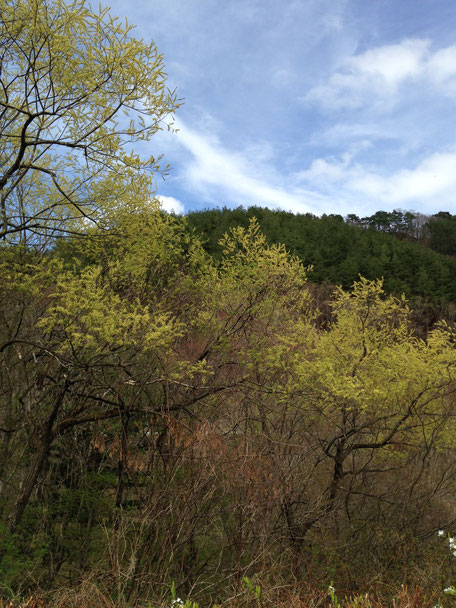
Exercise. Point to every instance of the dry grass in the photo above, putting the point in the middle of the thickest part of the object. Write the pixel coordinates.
(89, 596)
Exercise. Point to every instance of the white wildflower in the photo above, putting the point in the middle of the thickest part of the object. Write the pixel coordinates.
(441, 533)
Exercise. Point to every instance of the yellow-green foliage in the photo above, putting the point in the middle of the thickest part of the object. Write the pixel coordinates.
(371, 357)
(128, 295)
(76, 90)
(93, 317)
(249, 260)
(255, 287)
(367, 372)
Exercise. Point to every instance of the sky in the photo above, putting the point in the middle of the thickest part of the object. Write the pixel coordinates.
(311, 106)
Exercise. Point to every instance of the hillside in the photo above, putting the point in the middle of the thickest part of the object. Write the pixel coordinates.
(339, 252)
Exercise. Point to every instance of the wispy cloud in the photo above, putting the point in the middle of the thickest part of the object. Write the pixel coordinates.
(441, 68)
(431, 182)
(244, 176)
(378, 76)
(217, 175)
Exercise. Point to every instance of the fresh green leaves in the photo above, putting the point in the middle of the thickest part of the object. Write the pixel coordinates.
(77, 90)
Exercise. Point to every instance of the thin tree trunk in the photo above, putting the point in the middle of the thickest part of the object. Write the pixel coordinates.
(30, 482)
(38, 461)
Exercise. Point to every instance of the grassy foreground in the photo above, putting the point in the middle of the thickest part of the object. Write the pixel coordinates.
(89, 595)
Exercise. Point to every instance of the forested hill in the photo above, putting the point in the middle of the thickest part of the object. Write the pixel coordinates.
(340, 251)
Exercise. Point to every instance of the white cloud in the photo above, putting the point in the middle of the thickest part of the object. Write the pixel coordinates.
(390, 65)
(441, 70)
(325, 170)
(442, 65)
(431, 183)
(377, 77)
(245, 178)
(432, 180)
(170, 204)
(331, 184)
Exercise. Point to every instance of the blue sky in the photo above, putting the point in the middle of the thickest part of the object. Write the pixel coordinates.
(321, 106)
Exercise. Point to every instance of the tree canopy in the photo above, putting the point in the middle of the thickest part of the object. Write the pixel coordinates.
(339, 252)
(76, 91)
